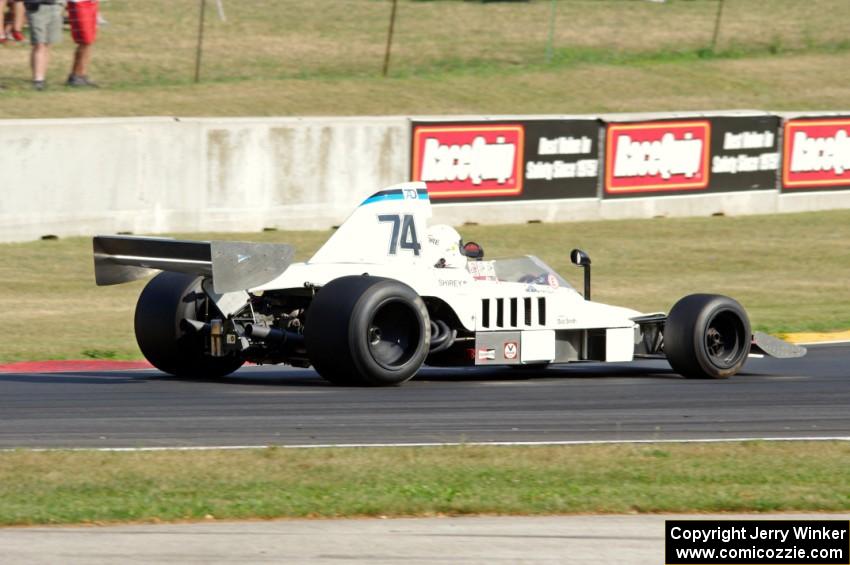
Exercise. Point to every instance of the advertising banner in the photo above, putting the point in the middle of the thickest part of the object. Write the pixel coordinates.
(691, 156)
(479, 161)
(816, 154)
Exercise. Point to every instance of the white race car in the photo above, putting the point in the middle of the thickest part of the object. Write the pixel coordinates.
(387, 294)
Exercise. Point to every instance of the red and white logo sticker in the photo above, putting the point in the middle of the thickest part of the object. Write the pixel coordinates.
(816, 153)
(511, 350)
(469, 160)
(657, 156)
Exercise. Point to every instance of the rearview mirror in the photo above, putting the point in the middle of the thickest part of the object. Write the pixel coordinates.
(579, 257)
(582, 259)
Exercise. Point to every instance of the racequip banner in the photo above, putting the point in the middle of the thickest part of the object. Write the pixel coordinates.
(816, 154)
(475, 161)
(691, 156)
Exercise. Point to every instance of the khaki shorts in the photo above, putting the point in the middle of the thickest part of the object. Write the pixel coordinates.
(45, 22)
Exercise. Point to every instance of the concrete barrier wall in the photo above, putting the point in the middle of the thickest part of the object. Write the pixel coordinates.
(590, 209)
(156, 175)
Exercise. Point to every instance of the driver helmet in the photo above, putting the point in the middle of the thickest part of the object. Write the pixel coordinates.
(444, 247)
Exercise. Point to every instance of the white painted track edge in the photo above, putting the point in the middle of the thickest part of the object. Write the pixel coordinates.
(430, 444)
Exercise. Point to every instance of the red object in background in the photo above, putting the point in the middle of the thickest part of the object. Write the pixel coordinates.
(657, 156)
(71, 366)
(816, 153)
(83, 19)
(463, 160)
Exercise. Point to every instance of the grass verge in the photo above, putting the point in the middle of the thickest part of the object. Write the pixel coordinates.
(790, 271)
(98, 487)
(325, 58)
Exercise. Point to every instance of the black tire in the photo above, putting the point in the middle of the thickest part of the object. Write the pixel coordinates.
(707, 336)
(367, 331)
(164, 302)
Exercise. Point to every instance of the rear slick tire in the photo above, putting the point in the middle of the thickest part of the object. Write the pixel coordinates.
(166, 300)
(367, 331)
(707, 336)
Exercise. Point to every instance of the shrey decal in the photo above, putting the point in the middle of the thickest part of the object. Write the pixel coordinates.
(469, 160)
(816, 154)
(657, 156)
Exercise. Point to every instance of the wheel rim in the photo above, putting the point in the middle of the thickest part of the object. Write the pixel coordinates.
(393, 334)
(724, 339)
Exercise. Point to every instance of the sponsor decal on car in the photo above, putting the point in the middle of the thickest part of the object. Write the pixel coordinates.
(486, 354)
(482, 270)
(816, 153)
(511, 350)
(452, 283)
(657, 156)
(469, 159)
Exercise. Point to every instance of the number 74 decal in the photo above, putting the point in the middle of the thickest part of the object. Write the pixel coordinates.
(403, 235)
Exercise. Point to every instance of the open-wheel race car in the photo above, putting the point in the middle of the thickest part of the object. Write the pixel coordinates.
(387, 293)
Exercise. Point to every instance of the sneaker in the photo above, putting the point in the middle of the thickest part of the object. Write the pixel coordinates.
(80, 81)
(17, 35)
(39, 85)
(3, 39)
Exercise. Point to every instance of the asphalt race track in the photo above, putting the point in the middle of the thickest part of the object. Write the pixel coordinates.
(808, 397)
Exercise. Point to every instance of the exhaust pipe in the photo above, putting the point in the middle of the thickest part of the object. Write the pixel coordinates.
(264, 333)
(272, 335)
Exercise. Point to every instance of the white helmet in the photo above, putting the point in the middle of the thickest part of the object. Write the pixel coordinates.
(443, 247)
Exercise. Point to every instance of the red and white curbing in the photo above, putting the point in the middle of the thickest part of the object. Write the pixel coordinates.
(73, 366)
(83, 365)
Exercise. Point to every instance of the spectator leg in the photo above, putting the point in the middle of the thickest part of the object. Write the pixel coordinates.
(18, 13)
(3, 20)
(40, 58)
(82, 56)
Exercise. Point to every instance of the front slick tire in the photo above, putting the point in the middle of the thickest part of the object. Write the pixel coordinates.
(367, 331)
(707, 336)
(164, 302)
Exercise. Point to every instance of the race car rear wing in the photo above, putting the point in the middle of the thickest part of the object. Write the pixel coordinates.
(231, 265)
